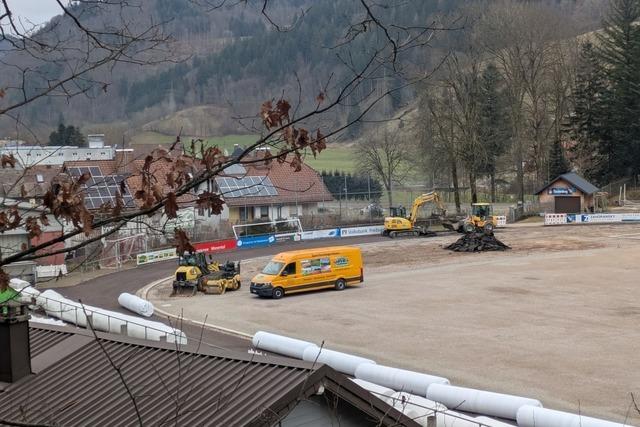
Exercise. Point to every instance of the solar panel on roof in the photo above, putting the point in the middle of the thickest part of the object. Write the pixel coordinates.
(248, 186)
(101, 189)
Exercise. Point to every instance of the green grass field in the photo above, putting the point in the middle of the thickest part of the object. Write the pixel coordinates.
(335, 157)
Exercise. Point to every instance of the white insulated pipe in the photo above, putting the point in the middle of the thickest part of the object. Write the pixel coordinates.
(382, 393)
(479, 401)
(107, 321)
(136, 304)
(455, 419)
(532, 416)
(341, 362)
(398, 379)
(487, 421)
(280, 344)
(416, 407)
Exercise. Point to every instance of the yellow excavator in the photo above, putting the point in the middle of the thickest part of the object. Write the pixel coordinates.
(398, 224)
(198, 273)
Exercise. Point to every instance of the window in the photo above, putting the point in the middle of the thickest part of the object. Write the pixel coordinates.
(279, 212)
(243, 213)
(264, 211)
(39, 178)
(290, 269)
(273, 267)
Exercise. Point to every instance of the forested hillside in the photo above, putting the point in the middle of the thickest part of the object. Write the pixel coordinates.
(234, 58)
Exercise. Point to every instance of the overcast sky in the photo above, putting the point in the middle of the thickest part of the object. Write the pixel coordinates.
(34, 11)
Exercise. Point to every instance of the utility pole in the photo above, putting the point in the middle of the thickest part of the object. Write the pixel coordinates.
(346, 194)
(369, 195)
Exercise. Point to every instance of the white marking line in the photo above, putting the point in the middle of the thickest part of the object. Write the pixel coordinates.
(634, 236)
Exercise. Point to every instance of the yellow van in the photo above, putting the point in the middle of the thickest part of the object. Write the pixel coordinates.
(309, 269)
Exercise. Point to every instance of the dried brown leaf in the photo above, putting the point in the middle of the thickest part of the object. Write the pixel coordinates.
(7, 160)
(209, 202)
(32, 227)
(171, 206)
(4, 280)
(44, 219)
(182, 242)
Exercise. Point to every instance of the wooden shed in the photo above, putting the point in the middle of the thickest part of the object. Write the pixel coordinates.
(567, 193)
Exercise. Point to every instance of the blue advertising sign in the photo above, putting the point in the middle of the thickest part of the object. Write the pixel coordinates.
(556, 191)
(256, 241)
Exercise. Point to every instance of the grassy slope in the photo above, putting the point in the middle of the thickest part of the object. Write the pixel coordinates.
(334, 157)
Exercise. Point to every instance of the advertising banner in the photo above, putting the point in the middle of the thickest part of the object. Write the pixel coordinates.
(630, 217)
(216, 246)
(555, 219)
(287, 237)
(361, 231)
(155, 256)
(256, 241)
(602, 218)
(321, 234)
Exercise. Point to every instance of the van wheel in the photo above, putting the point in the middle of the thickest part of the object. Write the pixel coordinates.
(341, 284)
(278, 293)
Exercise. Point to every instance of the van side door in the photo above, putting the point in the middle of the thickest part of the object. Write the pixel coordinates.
(289, 277)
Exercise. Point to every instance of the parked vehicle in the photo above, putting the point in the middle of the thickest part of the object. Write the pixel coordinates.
(196, 272)
(372, 209)
(398, 224)
(481, 219)
(309, 269)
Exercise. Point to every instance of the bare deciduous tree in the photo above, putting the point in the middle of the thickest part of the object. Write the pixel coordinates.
(387, 157)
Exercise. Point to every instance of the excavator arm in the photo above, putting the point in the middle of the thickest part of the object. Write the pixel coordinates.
(422, 200)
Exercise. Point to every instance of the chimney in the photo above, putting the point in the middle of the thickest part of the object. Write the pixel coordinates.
(15, 358)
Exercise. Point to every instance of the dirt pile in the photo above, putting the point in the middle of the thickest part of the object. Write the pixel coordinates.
(477, 242)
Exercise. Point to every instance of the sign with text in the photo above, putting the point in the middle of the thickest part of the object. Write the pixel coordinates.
(361, 231)
(559, 191)
(256, 241)
(156, 256)
(216, 246)
(321, 234)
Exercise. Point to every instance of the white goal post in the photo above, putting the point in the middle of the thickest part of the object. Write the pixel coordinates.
(291, 225)
(118, 251)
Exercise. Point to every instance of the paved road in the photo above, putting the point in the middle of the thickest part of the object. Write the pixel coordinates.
(104, 291)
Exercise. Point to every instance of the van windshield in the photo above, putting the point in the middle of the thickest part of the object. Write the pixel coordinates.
(273, 268)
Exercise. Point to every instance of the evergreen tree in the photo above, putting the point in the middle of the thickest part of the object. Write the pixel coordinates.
(67, 135)
(619, 52)
(586, 123)
(557, 161)
(494, 122)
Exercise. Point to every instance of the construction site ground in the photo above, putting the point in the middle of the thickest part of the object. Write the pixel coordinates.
(556, 318)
